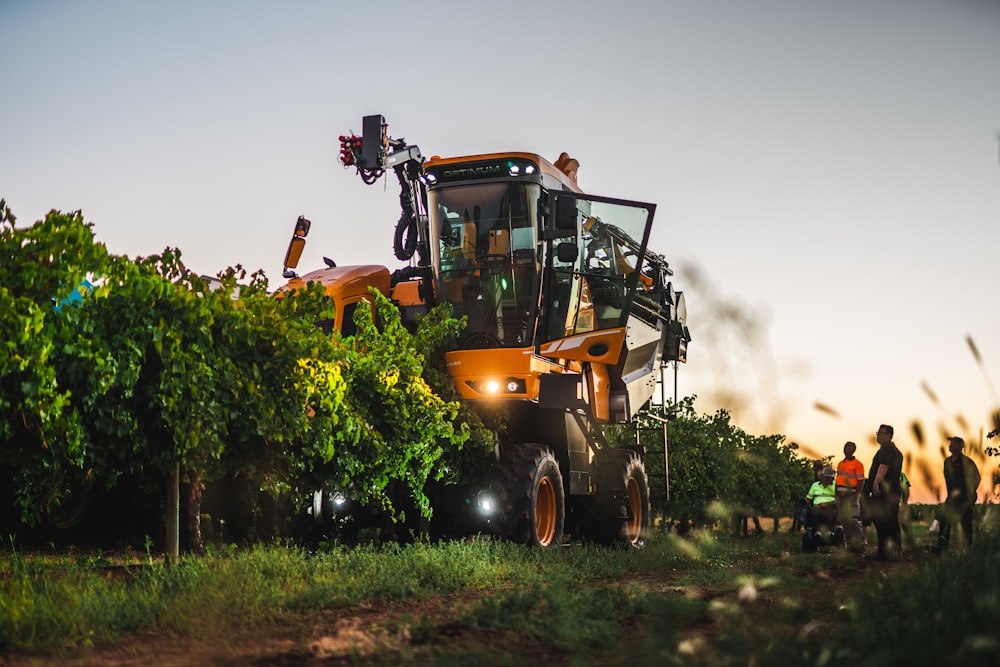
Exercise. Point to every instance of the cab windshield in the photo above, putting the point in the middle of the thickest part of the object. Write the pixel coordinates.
(486, 259)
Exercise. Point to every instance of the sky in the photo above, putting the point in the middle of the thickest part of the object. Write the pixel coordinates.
(826, 175)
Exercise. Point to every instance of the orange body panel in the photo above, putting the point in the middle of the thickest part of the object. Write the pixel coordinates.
(343, 281)
(473, 369)
(344, 284)
(600, 392)
(500, 364)
(582, 346)
(407, 293)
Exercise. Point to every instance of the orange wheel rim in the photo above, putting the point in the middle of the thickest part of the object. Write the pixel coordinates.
(545, 511)
(634, 527)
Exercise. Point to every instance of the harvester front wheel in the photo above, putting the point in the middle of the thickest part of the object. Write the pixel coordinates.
(534, 498)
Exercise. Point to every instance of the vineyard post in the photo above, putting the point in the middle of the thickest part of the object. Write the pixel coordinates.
(172, 546)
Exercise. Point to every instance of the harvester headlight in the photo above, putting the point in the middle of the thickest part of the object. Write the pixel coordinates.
(486, 502)
(498, 387)
(519, 168)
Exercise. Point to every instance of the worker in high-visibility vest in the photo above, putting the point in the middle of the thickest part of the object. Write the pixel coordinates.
(822, 500)
(850, 481)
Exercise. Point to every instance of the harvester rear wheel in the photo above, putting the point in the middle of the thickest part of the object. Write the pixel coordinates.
(533, 496)
(622, 512)
(637, 492)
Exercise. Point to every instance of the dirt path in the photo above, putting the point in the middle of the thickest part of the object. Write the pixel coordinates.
(368, 634)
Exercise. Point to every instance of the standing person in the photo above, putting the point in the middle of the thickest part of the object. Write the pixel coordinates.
(961, 479)
(884, 492)
(850, 482)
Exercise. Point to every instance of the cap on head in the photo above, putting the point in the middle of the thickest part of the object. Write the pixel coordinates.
(828, 472)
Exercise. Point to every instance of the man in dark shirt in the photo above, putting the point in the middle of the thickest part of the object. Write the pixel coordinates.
(961, 479)
(883, 491)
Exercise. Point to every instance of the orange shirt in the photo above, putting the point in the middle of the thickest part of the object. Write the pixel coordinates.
(850, 473)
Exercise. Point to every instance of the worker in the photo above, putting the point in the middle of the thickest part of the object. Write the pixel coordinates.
(850, 481)
(822, 497)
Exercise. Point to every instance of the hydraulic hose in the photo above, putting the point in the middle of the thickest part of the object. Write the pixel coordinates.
(405, 242)
(407, 234)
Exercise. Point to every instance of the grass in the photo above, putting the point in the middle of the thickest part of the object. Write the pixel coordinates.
(705, 599)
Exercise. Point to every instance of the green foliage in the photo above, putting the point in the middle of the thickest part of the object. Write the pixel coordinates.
(434, 336)
(771, 478)
(395, 429)
(42, 436)
(717, 470)
(702, 465)
(151, 369)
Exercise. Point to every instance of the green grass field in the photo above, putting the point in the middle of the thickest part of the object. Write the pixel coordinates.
(704, 599)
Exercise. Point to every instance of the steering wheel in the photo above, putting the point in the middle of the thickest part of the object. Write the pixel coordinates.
(480, 340)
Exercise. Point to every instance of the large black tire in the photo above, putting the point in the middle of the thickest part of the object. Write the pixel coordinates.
(637, 492)
(532, 495)
(622, 507)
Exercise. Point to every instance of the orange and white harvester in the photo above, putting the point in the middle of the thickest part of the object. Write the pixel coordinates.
(571, 321)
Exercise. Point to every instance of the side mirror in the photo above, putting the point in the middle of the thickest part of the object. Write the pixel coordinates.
(295, 248)
(567, 252)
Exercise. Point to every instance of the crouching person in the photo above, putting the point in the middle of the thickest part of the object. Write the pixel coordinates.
(821, 525)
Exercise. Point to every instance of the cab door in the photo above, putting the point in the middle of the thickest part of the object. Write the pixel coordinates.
(595, 263)
(596, 251)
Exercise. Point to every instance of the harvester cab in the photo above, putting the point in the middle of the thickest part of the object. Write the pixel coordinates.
(571, 320)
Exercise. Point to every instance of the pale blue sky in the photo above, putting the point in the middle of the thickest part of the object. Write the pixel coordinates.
(831, 170)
